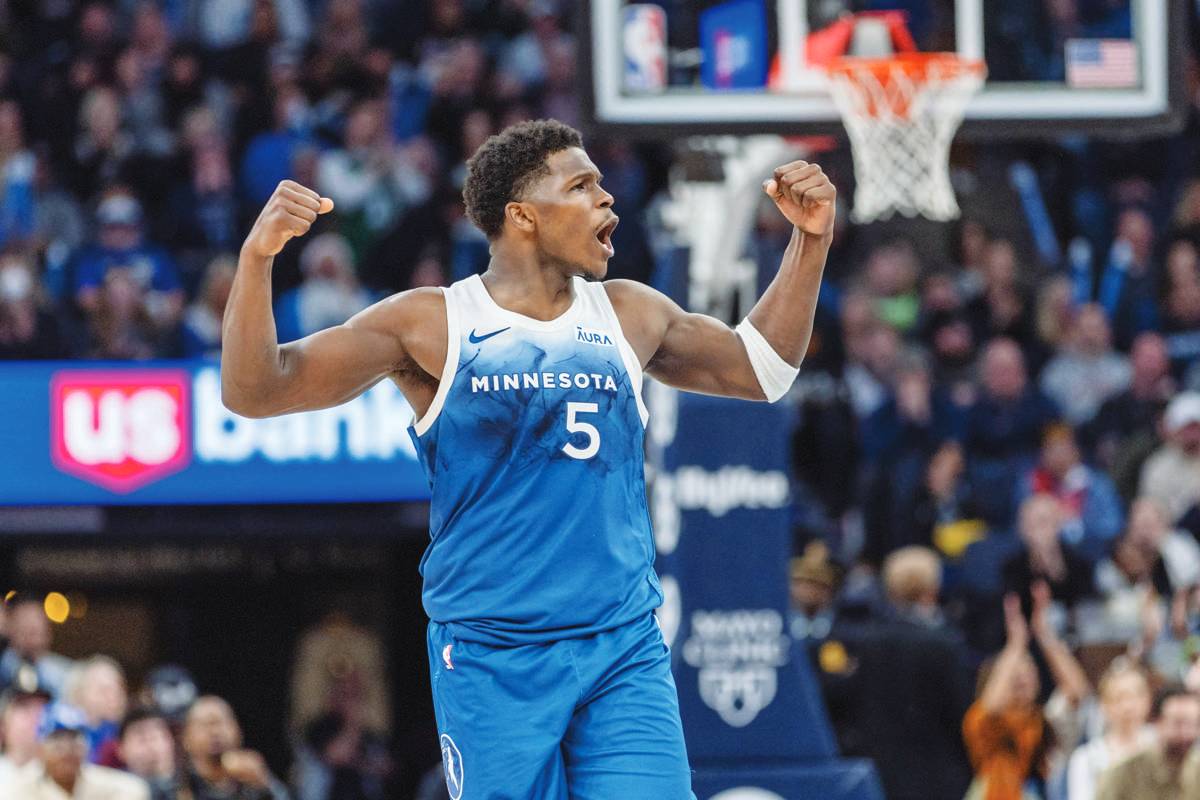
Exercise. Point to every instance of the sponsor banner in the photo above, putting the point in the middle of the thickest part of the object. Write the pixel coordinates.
(157, 432)
(733, 36)
(721, 505)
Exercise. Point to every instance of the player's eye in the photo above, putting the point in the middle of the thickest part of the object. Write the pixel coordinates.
(579, 185)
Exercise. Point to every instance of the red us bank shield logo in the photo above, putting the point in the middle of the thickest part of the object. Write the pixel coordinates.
(120, 429)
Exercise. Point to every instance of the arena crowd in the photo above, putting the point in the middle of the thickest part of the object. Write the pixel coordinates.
(998, 455)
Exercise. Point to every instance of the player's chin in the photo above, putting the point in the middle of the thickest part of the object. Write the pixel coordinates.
(595, 270)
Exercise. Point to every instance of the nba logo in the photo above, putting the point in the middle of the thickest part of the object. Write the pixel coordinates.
(120, 429)
(645, 45)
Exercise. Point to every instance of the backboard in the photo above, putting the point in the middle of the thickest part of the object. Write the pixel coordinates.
(682, 67)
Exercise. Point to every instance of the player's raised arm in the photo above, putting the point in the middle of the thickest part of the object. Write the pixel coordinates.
(760, 358)
(260, 378)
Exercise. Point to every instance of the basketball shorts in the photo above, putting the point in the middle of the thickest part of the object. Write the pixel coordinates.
(593, 718)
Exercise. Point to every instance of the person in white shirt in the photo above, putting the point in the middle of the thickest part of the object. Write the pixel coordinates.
(1125, 700)
(20, 711)
(63, 773)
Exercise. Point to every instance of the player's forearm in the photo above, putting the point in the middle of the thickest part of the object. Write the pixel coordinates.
(250, 363)
(784, 314)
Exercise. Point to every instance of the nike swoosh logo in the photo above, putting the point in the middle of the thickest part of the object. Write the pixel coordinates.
(477, 339)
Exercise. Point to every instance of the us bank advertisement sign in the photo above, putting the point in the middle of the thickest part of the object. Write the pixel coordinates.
(157, 432)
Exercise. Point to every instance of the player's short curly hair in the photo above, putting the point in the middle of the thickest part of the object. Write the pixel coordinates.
(506, 164)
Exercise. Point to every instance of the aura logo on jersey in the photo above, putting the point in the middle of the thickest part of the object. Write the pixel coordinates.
(452, 766)
(592, 336)
(737, 653)
(120, 430)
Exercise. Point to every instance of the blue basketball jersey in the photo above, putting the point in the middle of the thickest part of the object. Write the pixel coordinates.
(539, 528)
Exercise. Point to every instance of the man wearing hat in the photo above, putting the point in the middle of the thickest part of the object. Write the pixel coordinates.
(63, 773)
(1172, 474)
(120, 245)
(20, 712)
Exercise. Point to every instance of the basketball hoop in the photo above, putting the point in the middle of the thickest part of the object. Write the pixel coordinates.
(901, 113)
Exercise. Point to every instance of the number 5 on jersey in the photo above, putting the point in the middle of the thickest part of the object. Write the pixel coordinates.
(576, 426)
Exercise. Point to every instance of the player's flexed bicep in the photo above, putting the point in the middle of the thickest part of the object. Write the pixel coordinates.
(760, 358)
(688, 351)
(403, 335)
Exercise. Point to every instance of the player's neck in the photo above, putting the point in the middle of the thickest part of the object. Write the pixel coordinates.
(521, 282)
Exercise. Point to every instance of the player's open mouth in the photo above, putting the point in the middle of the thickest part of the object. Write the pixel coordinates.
(604, 235)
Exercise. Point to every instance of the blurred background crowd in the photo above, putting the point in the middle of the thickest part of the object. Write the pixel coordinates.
(997, 456)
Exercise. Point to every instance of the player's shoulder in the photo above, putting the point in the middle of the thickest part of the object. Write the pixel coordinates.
(413, 308)
(632, 295)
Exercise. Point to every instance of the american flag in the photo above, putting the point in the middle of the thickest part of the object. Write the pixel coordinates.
(1102, 63)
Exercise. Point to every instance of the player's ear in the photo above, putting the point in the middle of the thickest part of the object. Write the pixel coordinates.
(520, 215)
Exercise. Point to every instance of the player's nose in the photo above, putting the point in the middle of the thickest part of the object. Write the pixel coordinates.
(606, 199)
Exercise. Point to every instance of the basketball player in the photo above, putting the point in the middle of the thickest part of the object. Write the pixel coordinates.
(550, 676)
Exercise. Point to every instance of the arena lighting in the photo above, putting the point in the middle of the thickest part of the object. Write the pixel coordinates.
(9, 595)
(57, 607)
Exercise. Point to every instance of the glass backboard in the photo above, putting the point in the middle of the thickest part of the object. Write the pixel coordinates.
(680, 67)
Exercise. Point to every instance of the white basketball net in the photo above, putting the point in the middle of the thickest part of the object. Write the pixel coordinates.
(900, 132)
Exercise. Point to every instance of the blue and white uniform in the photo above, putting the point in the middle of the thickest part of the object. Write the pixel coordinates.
(550, 677)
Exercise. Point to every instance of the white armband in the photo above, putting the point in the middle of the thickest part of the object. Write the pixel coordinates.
(775, 375)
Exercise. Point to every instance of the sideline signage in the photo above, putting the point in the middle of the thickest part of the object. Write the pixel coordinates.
(157, 432)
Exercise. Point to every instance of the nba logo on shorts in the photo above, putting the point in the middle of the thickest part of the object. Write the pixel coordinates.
(452, 766)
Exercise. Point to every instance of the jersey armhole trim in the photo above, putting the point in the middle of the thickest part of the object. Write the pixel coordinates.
(449, 368)
(628, 357)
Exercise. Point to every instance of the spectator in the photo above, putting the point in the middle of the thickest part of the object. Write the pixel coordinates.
(28, 329)
(1004, 427)
(29, 643)
(1132, 584)
(872, 349)
(202, 320)
(1181, 302)
(945, 514)
(103, 152)
(1091, 511)
(1170, 770)
(20, 713)
(1125, 699)
(370, 180)
(1129, 419)
(330, 293)
(813, 583)
(97, 688)
(120, 247)
(1004, 729)
(203, 204)
(891, 276)
(268, 157)
(64, 769)
(1088, 372)
(1172, 474)
(1043, 556)
(147, 748)
(17, 174)
(907, 689)
(1127, 289)
(218, 767)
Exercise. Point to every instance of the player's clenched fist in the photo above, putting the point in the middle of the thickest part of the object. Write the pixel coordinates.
(291, 211)
(805, 195)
